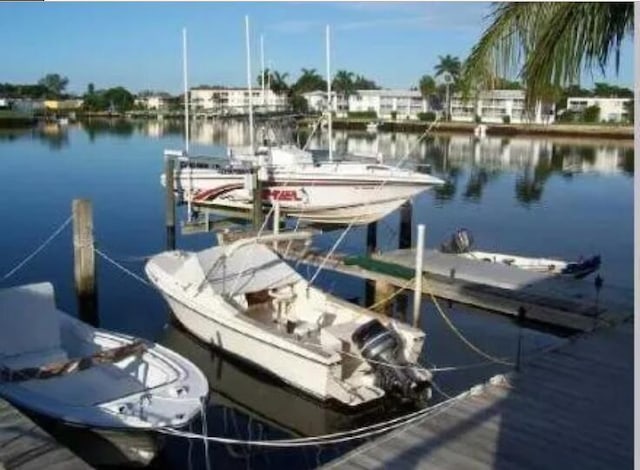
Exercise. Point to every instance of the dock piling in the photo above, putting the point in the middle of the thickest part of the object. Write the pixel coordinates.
(371, 246)
(417, 297)
(170, 202)
(256, 185)
(406, 215)
(84, 267)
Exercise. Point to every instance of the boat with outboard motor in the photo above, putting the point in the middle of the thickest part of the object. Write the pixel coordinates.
(244, 299)
(461, 244)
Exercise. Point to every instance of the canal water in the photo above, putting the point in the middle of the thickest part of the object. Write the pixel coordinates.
(540, 197)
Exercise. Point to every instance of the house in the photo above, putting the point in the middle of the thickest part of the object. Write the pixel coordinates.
(235, 100)
(500, 106)
(403, 104)
(153, 102)
(611, 109)
(63, 105)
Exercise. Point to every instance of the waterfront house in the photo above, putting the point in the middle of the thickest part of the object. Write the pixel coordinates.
(500, 106)
(611, 109)
(230, 100)
(153, 102)
(403, 104)
(63, 105)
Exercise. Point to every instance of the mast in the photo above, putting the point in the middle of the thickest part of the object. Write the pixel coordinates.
(262, 67)
(186, 90)
(246, 24)
(329, 100)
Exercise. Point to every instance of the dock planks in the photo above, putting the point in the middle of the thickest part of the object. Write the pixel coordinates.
(568, 408)
(24, 446)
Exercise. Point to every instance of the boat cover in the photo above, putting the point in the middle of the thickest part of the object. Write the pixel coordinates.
(259, 268)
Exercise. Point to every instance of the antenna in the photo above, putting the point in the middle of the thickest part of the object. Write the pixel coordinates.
(329, 100)
(186, 90)
(246, 24)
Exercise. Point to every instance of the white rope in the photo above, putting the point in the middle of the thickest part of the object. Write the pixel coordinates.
(335, 438)
(37, 250)
(122, 268)
(203, 411)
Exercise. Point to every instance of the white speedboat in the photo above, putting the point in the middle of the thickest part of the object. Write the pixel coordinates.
(244, 299)
(337, 192)
(59, 367)
(462, 241)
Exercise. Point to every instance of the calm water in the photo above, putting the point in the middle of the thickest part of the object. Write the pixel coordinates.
(562, 198)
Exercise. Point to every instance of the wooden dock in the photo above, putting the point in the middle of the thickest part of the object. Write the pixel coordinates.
(561, 302)
(24, 446)
(569, 408)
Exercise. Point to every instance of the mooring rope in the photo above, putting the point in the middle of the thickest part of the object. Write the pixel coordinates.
(42, 246)
(122, 268)
(334, 438)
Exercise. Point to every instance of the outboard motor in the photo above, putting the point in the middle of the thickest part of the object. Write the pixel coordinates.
(381, 347)
(461, 242)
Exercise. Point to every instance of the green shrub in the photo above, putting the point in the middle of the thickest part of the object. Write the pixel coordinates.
(478, 119)
(362, 115)
(591, 114)
(428, 116)
(394, 115)
(506, 119)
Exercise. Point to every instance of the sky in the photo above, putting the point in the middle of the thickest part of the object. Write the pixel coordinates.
(139, 45)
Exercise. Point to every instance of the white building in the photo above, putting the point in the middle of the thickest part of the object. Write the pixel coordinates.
(235, 100)
(405, 104)
(611, 109)
(153, 102)
(500, 106)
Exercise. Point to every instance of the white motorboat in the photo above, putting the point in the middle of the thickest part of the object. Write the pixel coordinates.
(244, 299)
(327, 192)
(372, 127)
(462, 241)
(59, 367)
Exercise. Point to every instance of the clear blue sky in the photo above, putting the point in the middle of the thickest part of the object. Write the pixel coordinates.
(139, 45)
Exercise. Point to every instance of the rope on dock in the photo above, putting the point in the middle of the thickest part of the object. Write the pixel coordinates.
(42, 246)
(335, 438)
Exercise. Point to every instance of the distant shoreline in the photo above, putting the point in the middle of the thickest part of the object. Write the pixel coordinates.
(510, 130)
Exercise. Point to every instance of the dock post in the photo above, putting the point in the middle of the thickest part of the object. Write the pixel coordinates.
(371, 246)
(84, 267)
(258, 216)
(522, 312)
(417, 295)
(406, 214)
(170, 202)
(276, 222)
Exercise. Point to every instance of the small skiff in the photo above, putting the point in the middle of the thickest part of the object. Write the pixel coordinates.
(461, 244)
(57, 366)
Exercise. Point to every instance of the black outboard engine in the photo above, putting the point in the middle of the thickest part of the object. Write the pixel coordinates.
(461, 242)
(381, 346)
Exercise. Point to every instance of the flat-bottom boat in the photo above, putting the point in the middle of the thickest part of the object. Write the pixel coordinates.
(461, 242)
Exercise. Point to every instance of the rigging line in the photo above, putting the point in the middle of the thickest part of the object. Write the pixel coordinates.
(343, 235)
(38, 249)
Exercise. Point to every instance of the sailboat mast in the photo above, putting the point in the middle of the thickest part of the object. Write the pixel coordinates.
(186, 90)
(329, 100)
(262, 66)
(246, 24)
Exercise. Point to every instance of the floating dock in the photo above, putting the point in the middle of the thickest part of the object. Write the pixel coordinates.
(569, 408)
(24, 446)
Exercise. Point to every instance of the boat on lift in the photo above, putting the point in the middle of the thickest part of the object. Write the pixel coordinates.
(243, 298)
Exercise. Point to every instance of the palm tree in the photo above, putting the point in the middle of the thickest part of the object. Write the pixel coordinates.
(547, 44)
(309, 80)
(279, 82)
(343, 83)
(448, 64)
(427, 86)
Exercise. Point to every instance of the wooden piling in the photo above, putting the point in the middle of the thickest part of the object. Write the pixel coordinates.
(406, 214)
(84, 267)
(170, 202)
(371, 246)
(258, 215)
